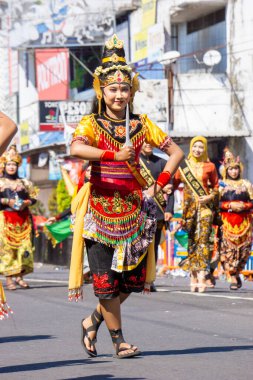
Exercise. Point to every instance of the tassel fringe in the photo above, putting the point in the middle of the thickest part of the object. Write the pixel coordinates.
(5, 311)
(75, 294)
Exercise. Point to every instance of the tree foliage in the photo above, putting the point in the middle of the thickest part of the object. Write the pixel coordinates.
(52, 203)
(62, 196)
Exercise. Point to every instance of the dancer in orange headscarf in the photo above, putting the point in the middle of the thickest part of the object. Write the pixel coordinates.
(236, 203)
(200, 192)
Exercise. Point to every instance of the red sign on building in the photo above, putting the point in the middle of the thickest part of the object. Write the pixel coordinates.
(52, 73)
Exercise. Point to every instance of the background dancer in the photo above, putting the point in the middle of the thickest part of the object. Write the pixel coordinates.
(151, 167)
(7, 131)
(236, 203)
(16, 239)
(200, 178)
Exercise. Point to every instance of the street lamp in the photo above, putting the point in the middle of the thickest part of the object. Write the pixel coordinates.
(167, 60)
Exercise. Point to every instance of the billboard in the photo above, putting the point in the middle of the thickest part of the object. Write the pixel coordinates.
(52, 73)
(51, 119)
(63, 23)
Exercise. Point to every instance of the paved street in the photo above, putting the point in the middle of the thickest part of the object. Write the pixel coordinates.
(181, 335)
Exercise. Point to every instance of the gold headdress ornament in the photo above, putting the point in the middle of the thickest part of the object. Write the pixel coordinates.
(12, 155)
(114, 69)
(2, 162)
(230, 161)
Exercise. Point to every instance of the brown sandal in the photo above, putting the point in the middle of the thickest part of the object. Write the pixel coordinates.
(117, 339)
(19, 281)
(10, 285)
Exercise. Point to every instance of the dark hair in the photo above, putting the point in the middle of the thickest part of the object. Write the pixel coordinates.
(94, 106)
(239, 174)
(109, 53)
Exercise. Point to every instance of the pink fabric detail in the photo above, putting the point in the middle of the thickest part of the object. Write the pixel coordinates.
(84, 139)
(166, 143)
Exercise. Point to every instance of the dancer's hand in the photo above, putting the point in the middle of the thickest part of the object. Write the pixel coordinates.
(11, 203)
(205, 199)
(167, 216)
(127, 153)
(168, 189)
(150, 191)
(237, 206)
(51, 220)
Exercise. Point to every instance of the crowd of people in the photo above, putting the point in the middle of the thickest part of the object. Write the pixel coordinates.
(122, 203)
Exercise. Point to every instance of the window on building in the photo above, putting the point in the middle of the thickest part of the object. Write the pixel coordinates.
(90, 56)
(206, 21)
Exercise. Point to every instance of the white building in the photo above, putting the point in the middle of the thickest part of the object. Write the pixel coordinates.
(211, 81)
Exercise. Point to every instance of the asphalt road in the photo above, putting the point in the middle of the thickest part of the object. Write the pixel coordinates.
(181, 335)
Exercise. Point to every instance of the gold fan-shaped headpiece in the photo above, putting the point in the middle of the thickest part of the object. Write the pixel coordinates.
(12, 155)
(230, 161)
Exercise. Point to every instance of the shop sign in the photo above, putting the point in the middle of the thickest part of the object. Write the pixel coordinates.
(52, 73)
(53, 115)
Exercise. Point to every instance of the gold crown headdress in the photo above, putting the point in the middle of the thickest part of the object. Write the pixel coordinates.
(12, 155)
(230, 161)
(114, 69)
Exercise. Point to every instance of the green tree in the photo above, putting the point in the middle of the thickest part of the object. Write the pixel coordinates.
(62, 196)
(52, 203)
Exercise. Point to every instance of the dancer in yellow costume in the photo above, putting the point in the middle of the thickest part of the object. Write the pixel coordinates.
(119, 221)
(16, 248)
(7, 130)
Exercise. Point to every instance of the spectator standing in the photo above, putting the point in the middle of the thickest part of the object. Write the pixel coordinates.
(151, 167)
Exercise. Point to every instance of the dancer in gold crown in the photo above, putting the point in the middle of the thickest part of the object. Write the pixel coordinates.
(236, 203)
(16, 195)
(113, 215)
(7, 130)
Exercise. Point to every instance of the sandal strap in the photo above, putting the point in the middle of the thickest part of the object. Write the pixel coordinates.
(117, 338)
(96, 319)
(91, 341)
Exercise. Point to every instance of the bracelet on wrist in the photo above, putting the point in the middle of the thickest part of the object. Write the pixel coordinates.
(163, 179)
(108, 155)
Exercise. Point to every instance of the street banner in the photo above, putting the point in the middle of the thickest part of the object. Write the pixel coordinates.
(52, 73)
(54, 167)
(140, 45)
(155, 43)
(24, 134)
(141, 38)
(148, 13)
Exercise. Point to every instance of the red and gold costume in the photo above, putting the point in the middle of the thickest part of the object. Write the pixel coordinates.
(116, 216)
(16, 249)
(116, 219)
(197, 218)
(237, 226)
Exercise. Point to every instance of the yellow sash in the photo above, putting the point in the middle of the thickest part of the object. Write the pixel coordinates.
(79, 206)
